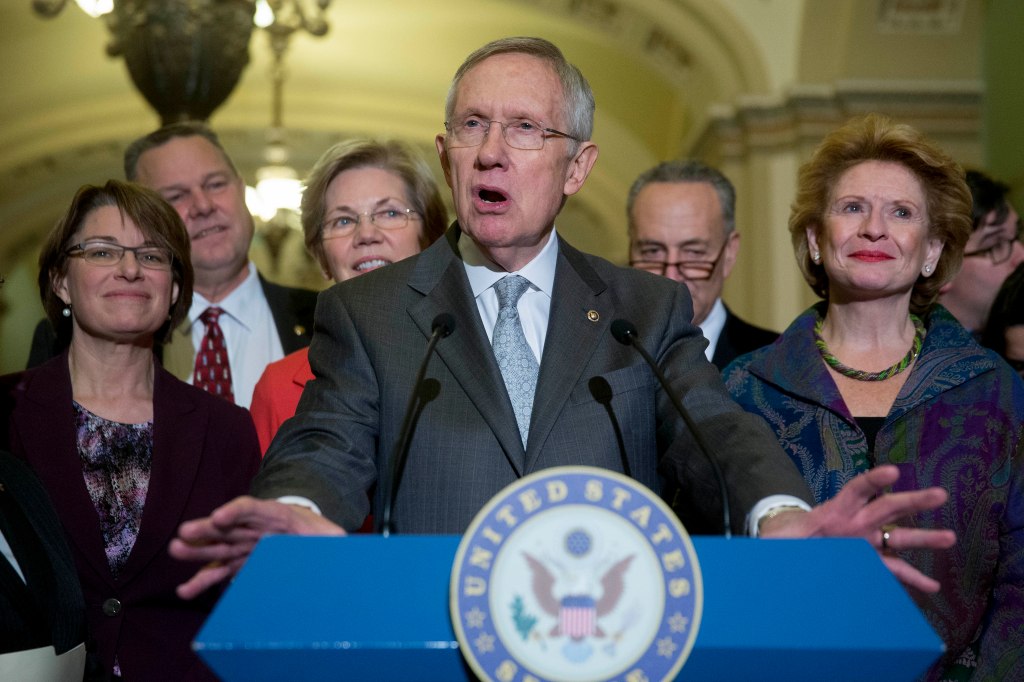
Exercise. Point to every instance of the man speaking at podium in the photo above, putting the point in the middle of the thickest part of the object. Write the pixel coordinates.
(529, 375)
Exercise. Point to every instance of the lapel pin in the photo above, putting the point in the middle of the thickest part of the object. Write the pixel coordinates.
(299, 330)
(593, 315)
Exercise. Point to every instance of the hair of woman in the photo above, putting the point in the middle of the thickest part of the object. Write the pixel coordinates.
(389, 155)
(877, 138)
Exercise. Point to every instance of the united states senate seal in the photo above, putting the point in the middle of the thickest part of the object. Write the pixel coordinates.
(576, 574)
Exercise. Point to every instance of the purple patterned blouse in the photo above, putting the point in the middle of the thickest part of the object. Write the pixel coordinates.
(116, 462)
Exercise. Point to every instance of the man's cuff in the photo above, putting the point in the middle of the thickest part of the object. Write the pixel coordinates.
(300, 501)
(768, 505)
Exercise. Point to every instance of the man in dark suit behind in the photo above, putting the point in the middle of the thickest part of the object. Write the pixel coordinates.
(262, 322)
(517, 145)
(682, 224)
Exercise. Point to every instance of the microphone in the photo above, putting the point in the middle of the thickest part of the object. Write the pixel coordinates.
(442, 326)
(625, 333)
(602, 392)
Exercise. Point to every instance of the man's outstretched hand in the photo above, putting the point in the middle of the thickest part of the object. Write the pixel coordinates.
(224, 539)
(862, 509)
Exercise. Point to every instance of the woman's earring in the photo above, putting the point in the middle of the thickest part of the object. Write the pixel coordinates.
(67, 310)
(927, 269)
(816, 257)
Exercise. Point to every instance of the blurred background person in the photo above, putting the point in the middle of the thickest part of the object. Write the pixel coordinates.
(126, 451)
(878, 373)
(366, 204)
(41, 603)
(993, 251)
(682, 225)
(1004, 332)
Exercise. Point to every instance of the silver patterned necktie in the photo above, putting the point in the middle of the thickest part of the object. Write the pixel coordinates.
(516, 361)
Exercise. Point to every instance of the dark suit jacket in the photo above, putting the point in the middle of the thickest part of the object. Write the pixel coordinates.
(738, 337)
(596, 401)
(293, 311)
(48, 609)
(204, 453)
(291, 308)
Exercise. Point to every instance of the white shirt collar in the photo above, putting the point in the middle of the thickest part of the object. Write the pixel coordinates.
(240, 304)
(483, 273)
(712, 326)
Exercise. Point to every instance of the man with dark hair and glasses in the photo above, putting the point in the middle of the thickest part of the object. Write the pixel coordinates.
(993, 251)
(682, 225)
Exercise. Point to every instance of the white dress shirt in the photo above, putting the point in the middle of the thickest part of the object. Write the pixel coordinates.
(249, 333)
(712, 327)
(534, 305)
(8, 553)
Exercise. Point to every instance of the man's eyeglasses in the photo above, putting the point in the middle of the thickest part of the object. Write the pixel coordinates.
(690, 270)
(345, 224)
(520, 133)
(1001, 251)
(106, 254)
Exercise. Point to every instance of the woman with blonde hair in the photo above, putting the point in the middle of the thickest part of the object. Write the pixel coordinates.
(366, 204)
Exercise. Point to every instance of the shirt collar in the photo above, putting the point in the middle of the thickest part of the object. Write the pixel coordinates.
(482, 273)
(712, 326)
(240, 304)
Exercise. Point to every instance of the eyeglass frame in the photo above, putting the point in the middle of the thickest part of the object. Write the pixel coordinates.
(450, 127)
(407, 213)
(678, 265)
(79, 251)
(990, 251)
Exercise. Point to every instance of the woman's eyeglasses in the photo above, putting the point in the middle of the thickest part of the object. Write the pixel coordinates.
(106, 254)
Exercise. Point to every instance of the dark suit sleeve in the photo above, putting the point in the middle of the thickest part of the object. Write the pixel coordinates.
(751, 460)
(737, 338)
(325, 453)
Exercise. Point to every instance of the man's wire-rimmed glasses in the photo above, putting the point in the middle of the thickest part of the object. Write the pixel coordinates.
(344, 224)
(520, 133)
(106, 254)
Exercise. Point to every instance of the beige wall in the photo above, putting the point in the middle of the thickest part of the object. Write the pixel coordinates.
(1004, 123)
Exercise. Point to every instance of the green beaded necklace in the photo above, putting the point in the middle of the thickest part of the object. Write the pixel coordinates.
(833, 362)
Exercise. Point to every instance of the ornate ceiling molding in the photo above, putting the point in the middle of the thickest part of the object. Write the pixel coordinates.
(809, 112)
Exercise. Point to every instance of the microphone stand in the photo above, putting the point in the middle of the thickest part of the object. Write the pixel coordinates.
(442, 326)
(626, 334)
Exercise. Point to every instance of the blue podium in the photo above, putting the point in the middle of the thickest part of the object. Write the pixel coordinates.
(373, 608)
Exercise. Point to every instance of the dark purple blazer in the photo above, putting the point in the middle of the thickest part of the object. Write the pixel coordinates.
(205, 453)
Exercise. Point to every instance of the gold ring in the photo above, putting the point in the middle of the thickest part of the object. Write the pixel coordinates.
(887, 535)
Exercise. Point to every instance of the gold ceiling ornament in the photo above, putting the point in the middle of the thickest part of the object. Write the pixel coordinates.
(186, 56)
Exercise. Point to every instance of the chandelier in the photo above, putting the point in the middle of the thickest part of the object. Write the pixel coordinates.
(278, 187)
(187, 56)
